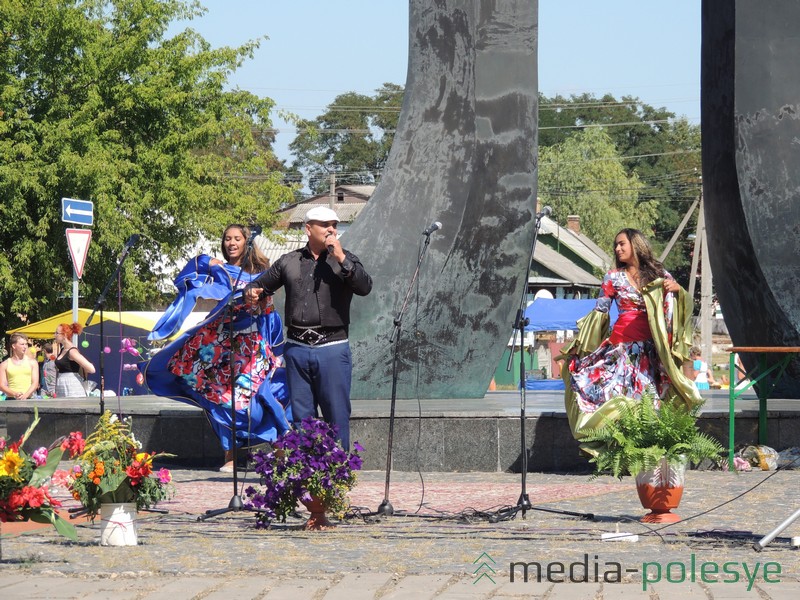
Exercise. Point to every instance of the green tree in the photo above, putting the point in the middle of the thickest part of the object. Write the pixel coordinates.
(97, 103)
(661, 150)
(583, 175)
(351, 139)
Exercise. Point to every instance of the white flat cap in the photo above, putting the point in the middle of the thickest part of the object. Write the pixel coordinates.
(322, 214)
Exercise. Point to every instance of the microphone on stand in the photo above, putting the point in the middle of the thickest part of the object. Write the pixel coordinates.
(255, 230)
(432, 227)
(132, 241)
(545, 212)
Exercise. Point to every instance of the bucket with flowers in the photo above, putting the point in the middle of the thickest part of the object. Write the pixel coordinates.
(306, 464)
(114, 478)
(24, 478)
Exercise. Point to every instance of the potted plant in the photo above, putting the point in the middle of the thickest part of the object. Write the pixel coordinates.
(654, 445)
(24, 479)
(305, 464)
(114, 478)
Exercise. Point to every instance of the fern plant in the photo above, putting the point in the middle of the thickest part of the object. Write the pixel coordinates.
(643, 435)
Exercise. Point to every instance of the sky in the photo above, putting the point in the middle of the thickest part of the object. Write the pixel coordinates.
(318, 49)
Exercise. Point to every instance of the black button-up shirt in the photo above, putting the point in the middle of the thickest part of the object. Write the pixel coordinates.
(318, 292)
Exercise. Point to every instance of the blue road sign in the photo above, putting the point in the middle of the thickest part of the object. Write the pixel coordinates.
(80, 212)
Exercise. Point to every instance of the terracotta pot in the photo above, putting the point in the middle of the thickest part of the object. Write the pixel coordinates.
(318, 520)
(660, 491)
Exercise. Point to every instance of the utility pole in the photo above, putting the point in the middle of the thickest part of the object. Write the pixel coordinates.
(706, 306)
(700, 255)
(332, 194)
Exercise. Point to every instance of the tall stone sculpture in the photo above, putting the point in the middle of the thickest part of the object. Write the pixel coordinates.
(751, 170)
(464, 154)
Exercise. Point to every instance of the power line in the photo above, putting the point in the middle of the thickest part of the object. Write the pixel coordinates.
(602, 125)
(628, 157)
(606, 104)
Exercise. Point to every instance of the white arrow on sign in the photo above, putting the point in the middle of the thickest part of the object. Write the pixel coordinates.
(78, 242)
(77, 211)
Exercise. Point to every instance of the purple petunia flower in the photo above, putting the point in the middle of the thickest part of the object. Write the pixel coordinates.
(304, 461)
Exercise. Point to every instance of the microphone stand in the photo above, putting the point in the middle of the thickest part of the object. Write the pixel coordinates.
(386, 507)
(236, 504)
(98, 305)
(523, 503)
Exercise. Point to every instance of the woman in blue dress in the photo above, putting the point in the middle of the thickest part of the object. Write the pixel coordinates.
(196, 367)
(646, 348)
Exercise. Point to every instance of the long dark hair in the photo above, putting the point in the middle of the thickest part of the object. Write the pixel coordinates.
(649, 268)
(256, 260)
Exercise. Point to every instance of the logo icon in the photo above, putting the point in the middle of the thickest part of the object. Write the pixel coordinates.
(485, 569)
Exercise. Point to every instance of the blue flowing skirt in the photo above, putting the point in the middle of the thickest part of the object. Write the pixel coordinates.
(197, 366)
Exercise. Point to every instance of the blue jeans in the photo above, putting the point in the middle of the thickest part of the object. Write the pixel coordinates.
(320, 377)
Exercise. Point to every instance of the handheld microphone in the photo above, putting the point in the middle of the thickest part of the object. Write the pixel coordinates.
(255, 230)
(545, 212)
(329, 246)
(432, 227)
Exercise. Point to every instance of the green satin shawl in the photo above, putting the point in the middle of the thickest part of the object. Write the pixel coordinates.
(594, 328)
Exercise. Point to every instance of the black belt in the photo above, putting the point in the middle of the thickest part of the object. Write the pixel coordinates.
(316, 334)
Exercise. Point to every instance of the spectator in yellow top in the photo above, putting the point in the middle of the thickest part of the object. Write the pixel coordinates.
(19, 373)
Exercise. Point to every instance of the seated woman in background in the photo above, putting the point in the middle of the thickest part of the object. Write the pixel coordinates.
(196, 366)
(646, 348)
(70, 363)
(19, 373)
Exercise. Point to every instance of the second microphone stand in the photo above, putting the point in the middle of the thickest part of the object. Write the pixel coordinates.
(236, 503)
(386, 507)
(98, 305)
(523, 503)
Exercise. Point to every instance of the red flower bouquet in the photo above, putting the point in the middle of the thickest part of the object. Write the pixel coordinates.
(112, 468)
(24, 480)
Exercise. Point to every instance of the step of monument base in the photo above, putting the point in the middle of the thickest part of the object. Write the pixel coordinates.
(479, 436)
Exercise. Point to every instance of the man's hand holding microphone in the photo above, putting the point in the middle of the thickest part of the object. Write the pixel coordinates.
(334, 247)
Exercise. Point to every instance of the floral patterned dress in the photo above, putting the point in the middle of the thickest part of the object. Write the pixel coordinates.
(626, 363)
(195, 367)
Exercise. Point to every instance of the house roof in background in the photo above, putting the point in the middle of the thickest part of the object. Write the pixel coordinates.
(579, 243)
(364, 191)
(274, 249)
(355, 198)
(347, 211)
(563, 267)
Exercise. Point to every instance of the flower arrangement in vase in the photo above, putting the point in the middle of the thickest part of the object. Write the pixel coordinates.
(305, 464)
(113, 469)
(24, 479)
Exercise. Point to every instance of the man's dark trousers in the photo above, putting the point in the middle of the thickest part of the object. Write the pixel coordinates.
(320, 376)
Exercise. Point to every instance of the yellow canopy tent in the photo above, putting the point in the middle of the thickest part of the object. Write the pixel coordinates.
(44, 329)
(119, 364)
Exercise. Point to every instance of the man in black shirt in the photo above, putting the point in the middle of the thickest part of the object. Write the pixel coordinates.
(320, 281)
